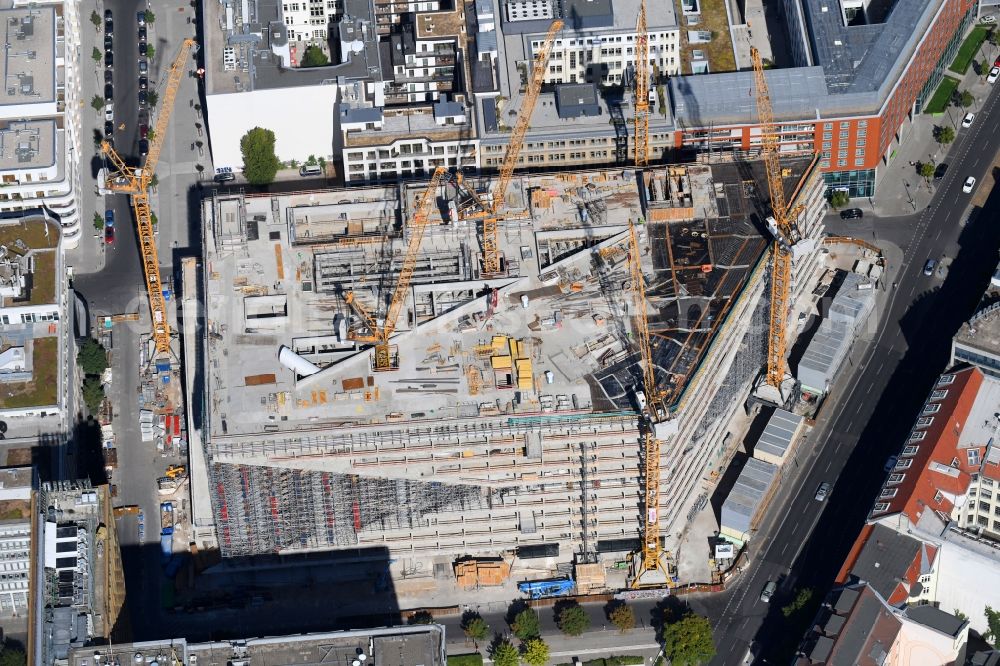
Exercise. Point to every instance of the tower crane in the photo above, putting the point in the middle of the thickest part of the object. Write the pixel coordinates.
(782, 225)
(135, 182)
(379, 334)
(641, 148)
(489, 210)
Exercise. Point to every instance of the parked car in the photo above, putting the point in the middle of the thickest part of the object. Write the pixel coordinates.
(988, 20)
(143, 131)
(769, 589)
(109, 218)
(140, 17)
(109, 92)
(109, 22)
(142, 48)
(142, 33)
(109, 76)
(109, 128)
(967, 120)
(929, 267)
(940, 171)
(109, 235)
(109, 59)
(143, 66)
(109, 43)
(822, 492)
(993, 75)
(891, 462)
(969, 184)
(224, 175)
(143, 83)
(143, 147)
(143, 97)
(851, 214)
(109, 112)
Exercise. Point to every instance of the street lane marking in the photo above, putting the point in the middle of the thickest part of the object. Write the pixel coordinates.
(828, 463)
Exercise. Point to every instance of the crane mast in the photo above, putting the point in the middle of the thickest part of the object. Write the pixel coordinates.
(641, 148)
(136, 182)
(784, 230)
(490, 210)
(380, 334)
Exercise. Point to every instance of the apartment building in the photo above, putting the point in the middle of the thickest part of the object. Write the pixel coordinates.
(40, 115)
(15, 541)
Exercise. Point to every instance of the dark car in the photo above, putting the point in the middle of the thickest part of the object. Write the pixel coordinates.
(109, 128)
(109, 43)
(142, 33)
(109, 218)
(143, 98)
(140, 17)
(108, 76)
(143, 131)
(851, 214)
(143, 83)
(143, 147)
(109, 21)
(108, 15)
(142, 48)
(109, 92)
(940, 171)
(109, 59)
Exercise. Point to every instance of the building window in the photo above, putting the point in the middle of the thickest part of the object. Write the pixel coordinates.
(841, 163)
(888, 493)
(881, 507)
(862, 123)
(945, 380)
(917, 435)
(938, 497)
(973, 457)
(932, 408)
(939, 394)
(896, 478)
(925, 421)
(910, 450)
(904, 463)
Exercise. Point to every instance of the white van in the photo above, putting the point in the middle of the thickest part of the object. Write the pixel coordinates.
(310, 170)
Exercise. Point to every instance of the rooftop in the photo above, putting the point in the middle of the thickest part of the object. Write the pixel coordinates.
(860, 632)
(885, 561)
(779, 433)
(550, 332)
(28, 144)
(29, 63)
(748, 493)
(397, 646)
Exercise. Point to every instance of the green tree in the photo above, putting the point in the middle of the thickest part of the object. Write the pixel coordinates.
(993, 622)
(314, 57)
(95, 18)
(421, 617)
(260, 164)
(959, 614)
(526, 625)
(150, 51)
(150, 16)
(964, 99)
(926, 170)
(688, 641)
(475, 628)
(839, 198)
(535, 652)
(504, 653)
(152, 98)
(944, 134)
(96, 55)
(93, 393)
(622, 616)
(12, 656)
(572, 619)
(97, 102)
(99, 225)
(92, 358)
(800, 601)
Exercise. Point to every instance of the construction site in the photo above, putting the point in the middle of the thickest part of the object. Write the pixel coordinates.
(507, 418)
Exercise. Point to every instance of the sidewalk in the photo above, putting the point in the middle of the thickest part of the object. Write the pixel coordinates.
(901, 191)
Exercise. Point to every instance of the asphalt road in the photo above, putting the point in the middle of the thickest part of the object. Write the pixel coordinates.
(876, 406)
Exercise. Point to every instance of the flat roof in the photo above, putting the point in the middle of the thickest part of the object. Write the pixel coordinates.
(779, 433)
(885, 559)
(29, 61)
(29, 144)
(747, 494)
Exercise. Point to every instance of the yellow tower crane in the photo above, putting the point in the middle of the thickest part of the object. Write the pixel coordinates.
(782, 226)
(379, 334)
(490, 209)
(641, 147)
(136, 182)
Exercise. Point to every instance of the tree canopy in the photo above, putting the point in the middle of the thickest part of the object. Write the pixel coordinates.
(260, 164)
(12, 656)
(573, 620)
(504, 653)
(526, 625)
(475, 627)
(944, 134)
(839, 199)
(93, 393)
(421, 617)
(535, 652)
(92, 357)
(622, 616)
(993, 622)
(314, 57)
(688, 641)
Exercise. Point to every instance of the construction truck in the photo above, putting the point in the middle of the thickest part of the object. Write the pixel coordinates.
(166, 531)
(541, 589)
(175, 471)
